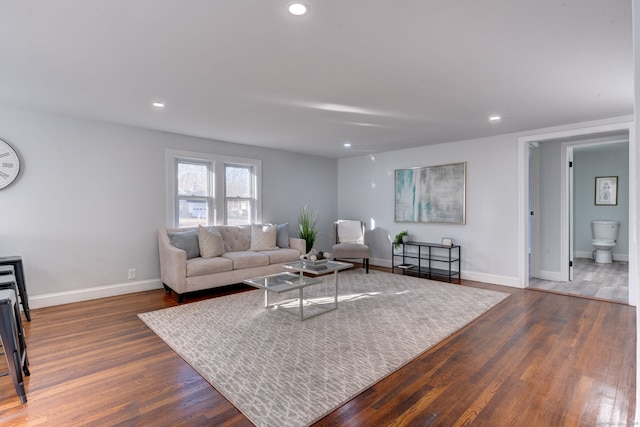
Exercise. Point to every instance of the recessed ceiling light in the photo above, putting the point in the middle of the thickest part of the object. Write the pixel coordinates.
(298, 8)
(158, 104)
(494, 118)
(347, 145)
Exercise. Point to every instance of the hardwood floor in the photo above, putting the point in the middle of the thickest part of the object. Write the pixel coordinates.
(537, 359)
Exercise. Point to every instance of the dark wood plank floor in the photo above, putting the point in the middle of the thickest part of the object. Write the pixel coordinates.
(538, 359)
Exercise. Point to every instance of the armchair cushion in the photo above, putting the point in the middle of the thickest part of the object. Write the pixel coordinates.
(350, 232)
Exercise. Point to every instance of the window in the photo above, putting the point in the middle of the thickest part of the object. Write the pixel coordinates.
(238, 194)
(204, 189)
(193, 192)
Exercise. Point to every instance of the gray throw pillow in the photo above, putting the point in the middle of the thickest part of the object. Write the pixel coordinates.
(282, 236)
(187, 241)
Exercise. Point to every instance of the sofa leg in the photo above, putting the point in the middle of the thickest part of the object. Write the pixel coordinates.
(180, 298)
(366, 264)
(167, 290)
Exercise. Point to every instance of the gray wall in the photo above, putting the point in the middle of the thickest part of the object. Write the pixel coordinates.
(91, 196)
(590, 162)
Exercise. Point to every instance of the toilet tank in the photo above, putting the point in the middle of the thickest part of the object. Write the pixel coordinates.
(604, 229)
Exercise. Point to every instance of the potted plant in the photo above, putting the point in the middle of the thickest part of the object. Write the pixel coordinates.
(307, 227)
(400, 238)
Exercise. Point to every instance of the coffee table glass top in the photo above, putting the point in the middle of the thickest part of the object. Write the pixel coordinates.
(328, 267)
(282, 282)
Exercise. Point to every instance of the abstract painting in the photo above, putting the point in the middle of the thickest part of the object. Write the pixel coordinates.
(433, 194)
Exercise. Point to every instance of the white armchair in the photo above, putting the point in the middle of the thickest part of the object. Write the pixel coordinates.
(348, 236)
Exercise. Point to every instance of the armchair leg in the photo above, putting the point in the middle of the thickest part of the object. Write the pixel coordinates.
(365, 262)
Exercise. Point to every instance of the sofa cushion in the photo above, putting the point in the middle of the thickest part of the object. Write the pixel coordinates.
(187, 241)
(282, 236)
(282, 255)
(210, 242)
(202, 266)
(246, 259)
(263, 237)
(235, 237)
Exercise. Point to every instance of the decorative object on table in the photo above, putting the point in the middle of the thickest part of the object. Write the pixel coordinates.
(606, 193)
(433, 194)
(307, 225)
(348, 236)
(315, 257)
(10, 164)
(447, 241)
(400, 238)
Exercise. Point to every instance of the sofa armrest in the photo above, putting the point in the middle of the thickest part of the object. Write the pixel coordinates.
(173, 263)
(299, 244)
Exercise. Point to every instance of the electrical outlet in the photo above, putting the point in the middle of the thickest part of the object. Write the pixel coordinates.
(132, 273)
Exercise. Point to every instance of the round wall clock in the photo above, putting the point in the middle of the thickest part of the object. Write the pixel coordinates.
(9, 164)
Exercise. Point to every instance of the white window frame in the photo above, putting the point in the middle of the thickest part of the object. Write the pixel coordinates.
(217, 200)
(254, 181)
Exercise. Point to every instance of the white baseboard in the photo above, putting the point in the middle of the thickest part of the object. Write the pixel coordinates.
(550, 275)
(59, 298)
(616, 257)
(466, 275)
(580, 254)
(380, 262)
(494, 279)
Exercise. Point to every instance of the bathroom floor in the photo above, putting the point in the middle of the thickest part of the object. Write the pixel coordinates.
(591, 279)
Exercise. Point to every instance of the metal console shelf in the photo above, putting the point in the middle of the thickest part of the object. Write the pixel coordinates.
(430, 260)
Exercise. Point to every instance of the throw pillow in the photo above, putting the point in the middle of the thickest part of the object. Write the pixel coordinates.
(210, 242)
(350, 232)
(282, 236)
(187, 241)
(263, 237)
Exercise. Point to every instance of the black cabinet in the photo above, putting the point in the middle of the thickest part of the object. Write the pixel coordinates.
(429, 260)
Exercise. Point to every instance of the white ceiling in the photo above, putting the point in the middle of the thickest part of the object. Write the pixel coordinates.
(383, 75)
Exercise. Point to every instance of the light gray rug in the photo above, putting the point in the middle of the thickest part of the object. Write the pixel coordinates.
(279, 371)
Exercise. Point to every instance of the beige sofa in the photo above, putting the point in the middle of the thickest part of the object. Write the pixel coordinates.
(182, 273)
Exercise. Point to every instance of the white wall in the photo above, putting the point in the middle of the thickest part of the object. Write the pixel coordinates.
(489, 238)
(634, 188)
(550, 214)
(91, 196)
(588, 163)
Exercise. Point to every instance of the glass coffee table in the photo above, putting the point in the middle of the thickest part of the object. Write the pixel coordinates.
(285, 282)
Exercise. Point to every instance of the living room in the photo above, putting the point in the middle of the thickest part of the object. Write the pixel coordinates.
(92, 193)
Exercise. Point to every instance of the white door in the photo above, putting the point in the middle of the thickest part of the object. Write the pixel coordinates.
(570, 192)
(534, 211)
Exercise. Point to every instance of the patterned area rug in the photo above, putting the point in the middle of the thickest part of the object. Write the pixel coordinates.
(279, 371)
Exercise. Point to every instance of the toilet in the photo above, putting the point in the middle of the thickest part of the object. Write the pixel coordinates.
(605, 234)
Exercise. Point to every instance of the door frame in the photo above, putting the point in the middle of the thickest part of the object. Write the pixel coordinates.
(523, 199)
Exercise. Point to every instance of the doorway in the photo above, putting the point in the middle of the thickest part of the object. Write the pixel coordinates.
(553, 237)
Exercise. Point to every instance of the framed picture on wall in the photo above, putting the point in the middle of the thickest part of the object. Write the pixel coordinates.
(431, 194)
(606, 191)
